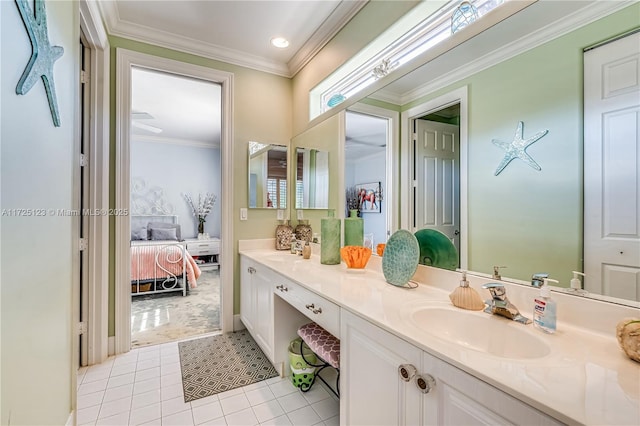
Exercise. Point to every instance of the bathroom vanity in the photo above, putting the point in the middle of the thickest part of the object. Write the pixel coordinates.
(410, 357)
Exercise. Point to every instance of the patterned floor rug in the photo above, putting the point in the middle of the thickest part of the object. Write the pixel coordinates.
(166, 317)
(215, 364)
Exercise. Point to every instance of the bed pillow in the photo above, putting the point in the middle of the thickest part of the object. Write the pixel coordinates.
(164, 225)
(139, 234)
(163, 234)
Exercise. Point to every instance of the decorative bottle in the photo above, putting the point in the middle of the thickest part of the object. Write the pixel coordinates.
(303, 231)
(353, 229)
(284, 232)
(330, 240)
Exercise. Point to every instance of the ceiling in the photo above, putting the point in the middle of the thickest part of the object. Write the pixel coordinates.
(236, 32)
(170, 108)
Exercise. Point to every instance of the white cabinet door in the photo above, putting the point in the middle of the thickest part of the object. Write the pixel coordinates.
(459, 398)
(247, 293)
(256, 303)
(263, 324)
(371, 390)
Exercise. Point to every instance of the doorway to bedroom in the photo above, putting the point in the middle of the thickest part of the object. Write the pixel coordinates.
(175, 215)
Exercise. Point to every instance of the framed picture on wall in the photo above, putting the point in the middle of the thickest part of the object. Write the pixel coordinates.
(369, 197)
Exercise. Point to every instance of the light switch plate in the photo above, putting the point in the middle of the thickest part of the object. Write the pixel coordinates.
(244, 215)
(280, 214)
(300, 214)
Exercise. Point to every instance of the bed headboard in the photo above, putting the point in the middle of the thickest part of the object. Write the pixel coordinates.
(138, 222)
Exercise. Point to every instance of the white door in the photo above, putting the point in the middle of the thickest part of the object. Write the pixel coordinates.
(612, 168)
(437, 178)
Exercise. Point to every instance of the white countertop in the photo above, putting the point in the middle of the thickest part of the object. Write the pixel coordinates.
(585, 378)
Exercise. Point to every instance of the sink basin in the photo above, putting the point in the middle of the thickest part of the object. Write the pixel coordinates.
(480, 332)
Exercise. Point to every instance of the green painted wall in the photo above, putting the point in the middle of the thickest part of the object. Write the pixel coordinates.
(262, 112)
(531, 221)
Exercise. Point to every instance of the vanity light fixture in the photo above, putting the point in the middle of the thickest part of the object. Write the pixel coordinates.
(280, 42)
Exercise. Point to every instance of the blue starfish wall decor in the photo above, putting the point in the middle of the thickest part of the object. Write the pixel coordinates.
(517, 147)
(43, 55)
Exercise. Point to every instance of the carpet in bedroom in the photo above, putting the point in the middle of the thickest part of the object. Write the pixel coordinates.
(167, 317)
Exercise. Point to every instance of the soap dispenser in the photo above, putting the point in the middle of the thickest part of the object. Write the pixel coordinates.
(544, 309)
(576, 284)
(466, 297)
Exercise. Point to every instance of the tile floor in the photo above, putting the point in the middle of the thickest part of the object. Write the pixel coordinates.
(144, 387)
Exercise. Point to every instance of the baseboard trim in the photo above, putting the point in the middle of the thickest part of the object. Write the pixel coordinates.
(237, 323)
(111, 345)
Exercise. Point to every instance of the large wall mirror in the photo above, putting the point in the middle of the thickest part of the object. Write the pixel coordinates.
(316, 153)
(529, 220)
(268, 171)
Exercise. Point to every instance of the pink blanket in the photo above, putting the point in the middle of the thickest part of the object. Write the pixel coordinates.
(169, 261)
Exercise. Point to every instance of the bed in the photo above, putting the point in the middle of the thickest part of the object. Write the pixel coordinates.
(159, 260)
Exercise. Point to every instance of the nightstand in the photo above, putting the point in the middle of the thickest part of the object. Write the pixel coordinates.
(205, 251)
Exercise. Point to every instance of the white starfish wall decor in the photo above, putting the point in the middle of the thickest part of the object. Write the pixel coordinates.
(516, 149)
(43, 55)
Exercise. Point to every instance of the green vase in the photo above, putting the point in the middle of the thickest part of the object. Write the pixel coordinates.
(330, 240)
(353, 229)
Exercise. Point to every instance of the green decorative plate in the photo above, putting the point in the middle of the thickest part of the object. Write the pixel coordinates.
(400, 258)
(436, 249)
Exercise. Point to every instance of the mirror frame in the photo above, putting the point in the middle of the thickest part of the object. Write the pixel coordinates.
(601, 13)
(265, 150)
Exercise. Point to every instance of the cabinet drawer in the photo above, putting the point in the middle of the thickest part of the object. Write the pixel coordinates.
(313, 306)
(203, 248)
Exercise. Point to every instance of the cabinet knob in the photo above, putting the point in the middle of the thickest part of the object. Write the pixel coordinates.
(425, 382)
(317, 311)
(281, 287)
(310, 306)
(251, 270)
(407, 371)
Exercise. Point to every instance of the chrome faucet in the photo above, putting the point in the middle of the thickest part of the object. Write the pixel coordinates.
(500, 305)
(537, 280)
(496, 272)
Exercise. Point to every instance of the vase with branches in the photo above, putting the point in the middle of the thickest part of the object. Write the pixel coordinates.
(202, 208)
(352, 200)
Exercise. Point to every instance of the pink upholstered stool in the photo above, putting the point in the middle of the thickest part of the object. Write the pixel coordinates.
(326, 346)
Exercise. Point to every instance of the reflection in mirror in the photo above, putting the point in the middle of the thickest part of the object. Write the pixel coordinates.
(312, 178)
(531, 221)
(436, 165)
(267, 176)
(365, 172)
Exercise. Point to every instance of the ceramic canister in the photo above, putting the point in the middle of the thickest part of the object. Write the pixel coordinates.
(284, 232)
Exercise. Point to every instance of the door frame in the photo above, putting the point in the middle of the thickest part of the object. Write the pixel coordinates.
(407, 118)
(392, 181)
(97, 252)
(125, 59)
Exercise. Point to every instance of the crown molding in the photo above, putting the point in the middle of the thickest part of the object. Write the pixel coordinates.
(173, 141)
(578, 19)
(340, 16)
(330, 27)
(184, 44)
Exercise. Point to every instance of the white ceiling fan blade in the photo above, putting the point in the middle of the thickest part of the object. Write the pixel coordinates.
(146, 127)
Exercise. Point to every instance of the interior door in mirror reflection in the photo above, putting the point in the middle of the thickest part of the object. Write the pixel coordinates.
(437, 168)
(611, 187)
(267, 176)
